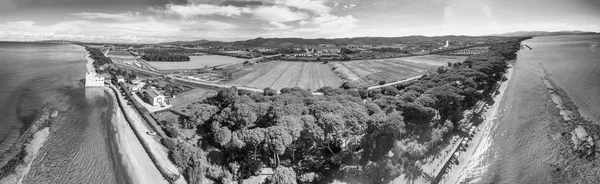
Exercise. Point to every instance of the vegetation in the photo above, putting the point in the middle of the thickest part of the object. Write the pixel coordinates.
(163, 55)
(99, 57)
(373, 136)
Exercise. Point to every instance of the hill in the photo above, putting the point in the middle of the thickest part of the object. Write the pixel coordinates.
(289, 42)
(542, 33)
(195, 42)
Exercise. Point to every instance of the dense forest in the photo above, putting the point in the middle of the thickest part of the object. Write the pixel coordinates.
(369, 136)
(300, 42)
(165, 55)
(98, 56)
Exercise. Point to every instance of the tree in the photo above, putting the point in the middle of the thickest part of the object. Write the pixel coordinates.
(390, 91)
(345, 50)
(283, 175)
(223, 136)
(269, 92)
(348, 85)
(171, 131)
(285, 90)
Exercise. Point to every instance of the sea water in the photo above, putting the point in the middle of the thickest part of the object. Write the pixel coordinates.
(79, 148)
(521, 148)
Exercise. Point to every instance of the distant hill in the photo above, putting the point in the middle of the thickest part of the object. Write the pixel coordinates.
(543, 33)
(56, 41)
(288, 42)
(196, 42)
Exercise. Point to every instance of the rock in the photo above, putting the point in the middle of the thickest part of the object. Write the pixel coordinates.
(54, 114)
(582, 142)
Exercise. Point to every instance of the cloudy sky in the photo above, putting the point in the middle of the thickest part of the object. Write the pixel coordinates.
(148, 21)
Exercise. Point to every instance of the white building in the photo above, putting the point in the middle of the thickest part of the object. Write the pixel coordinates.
(120, 79)
(154, 97)
(91, 80)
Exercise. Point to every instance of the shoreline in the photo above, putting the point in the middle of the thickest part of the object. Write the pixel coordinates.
(130, 153)
(134, 159)
(17, 161)
(470, 159)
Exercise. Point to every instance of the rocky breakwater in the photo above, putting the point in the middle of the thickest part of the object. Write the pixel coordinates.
(14, 163)
(584, 136)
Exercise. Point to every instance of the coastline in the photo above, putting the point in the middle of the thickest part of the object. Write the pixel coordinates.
(137, 164)
(17, 161)
(470, 159)
(128, 149)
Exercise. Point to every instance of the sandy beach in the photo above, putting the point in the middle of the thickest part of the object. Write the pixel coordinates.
(89, 65)
(133, 156)
(469, 160)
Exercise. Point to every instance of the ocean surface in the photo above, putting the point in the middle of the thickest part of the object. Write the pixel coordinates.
(519, 148)
(79, 148)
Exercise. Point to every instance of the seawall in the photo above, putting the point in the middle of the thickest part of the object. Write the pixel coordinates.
(170, 175)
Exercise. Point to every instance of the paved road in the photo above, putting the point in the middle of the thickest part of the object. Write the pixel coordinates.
(394, 83)
(156, 151)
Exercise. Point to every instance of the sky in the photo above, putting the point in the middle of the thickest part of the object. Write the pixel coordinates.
(151, 21)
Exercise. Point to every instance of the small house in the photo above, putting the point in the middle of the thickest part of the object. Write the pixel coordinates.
(153, 97)
(120, 79)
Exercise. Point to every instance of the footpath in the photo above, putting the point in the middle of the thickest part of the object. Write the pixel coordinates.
(158, 154)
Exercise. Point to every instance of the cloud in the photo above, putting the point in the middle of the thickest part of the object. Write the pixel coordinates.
(143, 30)
(191, 10)
(278, 25)
(315, 6)
(335, 24)
(117, 16)
(207, 25)
(242, 3)
(278, 14)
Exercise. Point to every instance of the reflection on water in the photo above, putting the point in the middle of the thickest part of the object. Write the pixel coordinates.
(78, 149)
(521, 150)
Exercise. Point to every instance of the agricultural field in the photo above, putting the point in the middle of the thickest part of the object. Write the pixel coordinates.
(119, 53)
(282, 74)
(371, 72)
(238, 52)
(197, 62)
(121, 56)
(188, 97)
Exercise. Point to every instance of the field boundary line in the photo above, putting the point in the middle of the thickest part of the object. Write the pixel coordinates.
(300, 75)
(271, 86)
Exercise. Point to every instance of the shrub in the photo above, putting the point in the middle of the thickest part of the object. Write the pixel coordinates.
(171, 131)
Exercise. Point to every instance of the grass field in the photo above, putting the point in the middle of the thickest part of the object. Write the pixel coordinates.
(281, 74)
(197, 62)
(371, 72)
(119, 53)
(188, 97)
(436, 60)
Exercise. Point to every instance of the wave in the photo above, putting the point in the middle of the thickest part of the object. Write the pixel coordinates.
(477, 166)
(593, 46)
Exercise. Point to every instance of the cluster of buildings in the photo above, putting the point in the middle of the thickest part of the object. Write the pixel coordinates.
(206, 77)
(471, 51)
(150, 95)
(319, 52)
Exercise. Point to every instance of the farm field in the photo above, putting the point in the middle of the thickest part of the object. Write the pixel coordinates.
(436, 60)
(121, 55)
(371, 72)
(188, 97)
(197, 62)
(282, 74)
(238, 52)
